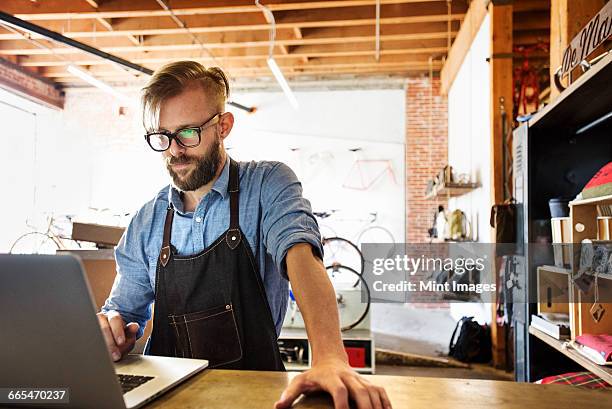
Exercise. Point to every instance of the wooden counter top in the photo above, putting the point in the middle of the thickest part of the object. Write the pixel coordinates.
(223, 389)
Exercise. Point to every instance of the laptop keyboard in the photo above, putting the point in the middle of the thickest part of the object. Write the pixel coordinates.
(129, 382)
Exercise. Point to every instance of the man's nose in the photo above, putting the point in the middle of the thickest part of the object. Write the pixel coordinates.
(176, 149)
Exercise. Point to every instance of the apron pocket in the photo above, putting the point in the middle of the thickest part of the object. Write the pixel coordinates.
(211, 334)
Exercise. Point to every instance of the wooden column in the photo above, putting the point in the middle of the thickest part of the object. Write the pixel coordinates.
(501, 87)
(567, 18)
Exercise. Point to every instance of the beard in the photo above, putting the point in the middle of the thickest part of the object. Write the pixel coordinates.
(205, 168)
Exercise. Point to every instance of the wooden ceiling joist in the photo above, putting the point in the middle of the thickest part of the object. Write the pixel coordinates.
(402, 14)
(35, 61)
(385, 68)
(167, 43)
(57, 9)
(316, 38)
(474, 18)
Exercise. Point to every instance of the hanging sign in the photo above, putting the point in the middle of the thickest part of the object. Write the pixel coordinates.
(588, 39)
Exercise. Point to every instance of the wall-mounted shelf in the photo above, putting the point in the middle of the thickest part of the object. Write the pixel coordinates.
(593, 201)
(604, 372)
(451, 190)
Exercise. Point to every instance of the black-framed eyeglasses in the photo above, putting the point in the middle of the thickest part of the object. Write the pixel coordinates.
(188, 137)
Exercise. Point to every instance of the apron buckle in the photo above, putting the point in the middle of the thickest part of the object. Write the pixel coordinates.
(164, 255)
(233, 238)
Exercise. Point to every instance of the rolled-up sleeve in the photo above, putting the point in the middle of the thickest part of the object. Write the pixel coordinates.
(287, 216)
(132, 293)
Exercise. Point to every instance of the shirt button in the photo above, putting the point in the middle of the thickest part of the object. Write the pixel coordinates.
(199, 219)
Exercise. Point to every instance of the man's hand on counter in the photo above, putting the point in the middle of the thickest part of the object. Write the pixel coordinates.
(120, 338)
(337, 378)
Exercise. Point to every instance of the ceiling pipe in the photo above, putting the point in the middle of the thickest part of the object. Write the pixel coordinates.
(15, 22)
(377, 30)
(57, 37)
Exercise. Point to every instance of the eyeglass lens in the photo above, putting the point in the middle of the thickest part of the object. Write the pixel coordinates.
(187, 137)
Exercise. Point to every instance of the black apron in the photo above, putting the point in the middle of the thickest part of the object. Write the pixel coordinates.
(212, 305)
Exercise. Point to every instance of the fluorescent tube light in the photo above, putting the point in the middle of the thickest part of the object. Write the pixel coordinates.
(280, 78)
(87, 77)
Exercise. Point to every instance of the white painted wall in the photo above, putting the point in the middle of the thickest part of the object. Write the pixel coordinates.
(469, 148)
(26, 126)
(469, 131)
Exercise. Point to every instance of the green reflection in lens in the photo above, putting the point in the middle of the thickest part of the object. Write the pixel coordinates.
(188, 134)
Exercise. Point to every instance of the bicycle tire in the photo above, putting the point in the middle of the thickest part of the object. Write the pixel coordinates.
(386, 231)
(352, 248)
(361, 280)
(326, 231)
(45, 240)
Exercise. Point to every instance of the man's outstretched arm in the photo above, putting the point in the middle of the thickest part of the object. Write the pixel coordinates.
(330, 369)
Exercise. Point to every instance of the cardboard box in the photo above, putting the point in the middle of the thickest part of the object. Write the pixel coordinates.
(104, 236)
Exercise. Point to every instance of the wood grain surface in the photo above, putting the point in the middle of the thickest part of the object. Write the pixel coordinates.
(223, 389)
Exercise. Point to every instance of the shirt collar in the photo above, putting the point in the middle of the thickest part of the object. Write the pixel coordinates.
(220, 186)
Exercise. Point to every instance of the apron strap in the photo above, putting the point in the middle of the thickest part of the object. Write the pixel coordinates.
(233, 236)
(164, 255)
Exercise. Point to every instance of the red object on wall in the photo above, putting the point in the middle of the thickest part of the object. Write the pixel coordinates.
(356, 356)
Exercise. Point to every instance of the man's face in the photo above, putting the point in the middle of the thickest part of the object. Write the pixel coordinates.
(191, 168)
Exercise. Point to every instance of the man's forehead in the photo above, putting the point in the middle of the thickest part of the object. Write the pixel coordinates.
(187, 108)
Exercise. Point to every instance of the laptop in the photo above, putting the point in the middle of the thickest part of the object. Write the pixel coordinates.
(50, 337)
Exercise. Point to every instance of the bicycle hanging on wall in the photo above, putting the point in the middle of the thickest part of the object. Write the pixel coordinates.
(49, 241)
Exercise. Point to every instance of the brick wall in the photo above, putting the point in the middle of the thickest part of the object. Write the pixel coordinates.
(29, 85)
(426, 152)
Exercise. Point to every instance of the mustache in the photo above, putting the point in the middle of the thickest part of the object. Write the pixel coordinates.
(178, 160)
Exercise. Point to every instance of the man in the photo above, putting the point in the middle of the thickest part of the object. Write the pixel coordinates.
(215, 249)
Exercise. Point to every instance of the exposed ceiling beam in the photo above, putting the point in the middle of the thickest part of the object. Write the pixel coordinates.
(106, 23)
(73, 44)
(473, 20)
(390, 68)
(361, 49)
(418, 59)
(227, 23)
(93, 3)
(27, 49)
(56, 9)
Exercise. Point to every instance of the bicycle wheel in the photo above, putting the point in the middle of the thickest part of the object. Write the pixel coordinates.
(352, 310)
(374, 235)
(326, 231)
(34, 243)
(340, 251)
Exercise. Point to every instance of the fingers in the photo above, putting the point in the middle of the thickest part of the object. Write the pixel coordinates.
(384, 397)
(374, 392)
(378, 396)
(116, 325)
(339, 393)
(359, 392)
(131, 330)
(108, 336)
(297, 386)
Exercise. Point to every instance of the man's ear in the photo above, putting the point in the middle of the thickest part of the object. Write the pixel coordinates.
(226, 123)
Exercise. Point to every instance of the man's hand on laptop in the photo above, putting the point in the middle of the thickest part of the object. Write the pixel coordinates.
(120, 338)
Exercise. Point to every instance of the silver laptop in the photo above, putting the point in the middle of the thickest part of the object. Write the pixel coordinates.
(50, 338)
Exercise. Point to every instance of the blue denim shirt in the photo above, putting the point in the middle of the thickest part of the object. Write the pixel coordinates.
(273, 216)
